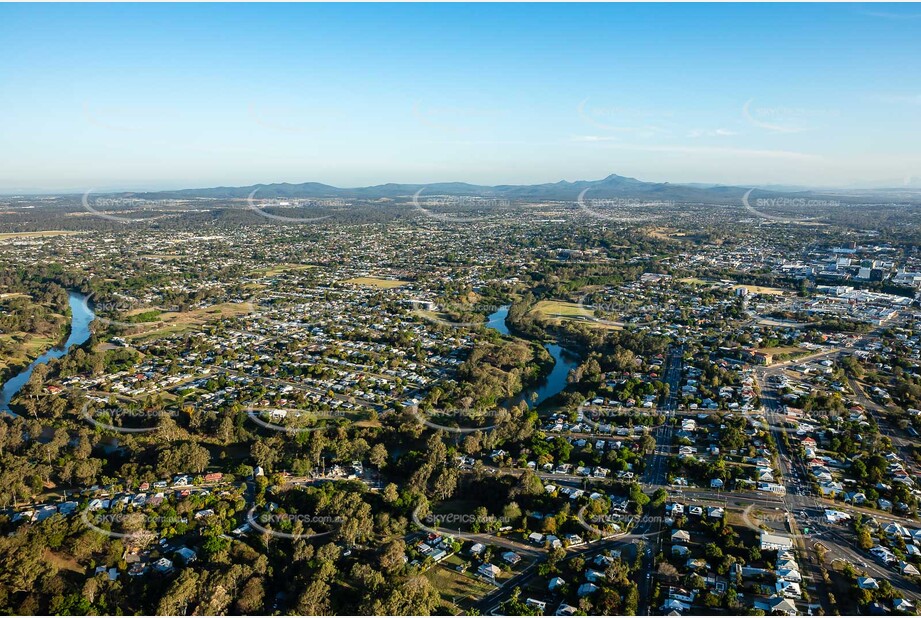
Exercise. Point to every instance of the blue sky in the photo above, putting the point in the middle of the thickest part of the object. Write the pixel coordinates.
(166, 96)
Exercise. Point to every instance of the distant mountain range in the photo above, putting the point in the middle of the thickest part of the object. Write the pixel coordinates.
(613, 186)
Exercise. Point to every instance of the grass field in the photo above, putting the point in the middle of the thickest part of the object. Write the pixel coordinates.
(558, 310)
(785, 353)
(439, 316)
(376, 282)
(664, 233)
(784, 349)
(23, 353)
(452, 507)
(785, 323)
(283, 268)
(61, 562)
(759, 289)
(142, 316)
(695, 281)
(453, 585)
(26, 352)
(36, 234)
(170, 322)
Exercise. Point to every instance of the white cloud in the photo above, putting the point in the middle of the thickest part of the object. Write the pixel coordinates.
(595, 138)
(696, 133)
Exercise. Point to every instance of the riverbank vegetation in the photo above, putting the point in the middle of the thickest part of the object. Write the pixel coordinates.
(31, 322)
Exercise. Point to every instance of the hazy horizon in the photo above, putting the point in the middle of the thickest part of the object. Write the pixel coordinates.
(910, 183)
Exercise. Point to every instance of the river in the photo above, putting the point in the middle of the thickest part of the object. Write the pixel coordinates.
(564, 361)
(80, 317)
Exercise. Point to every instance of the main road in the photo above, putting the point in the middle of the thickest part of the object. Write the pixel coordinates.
(656, 474)
(803, 509)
